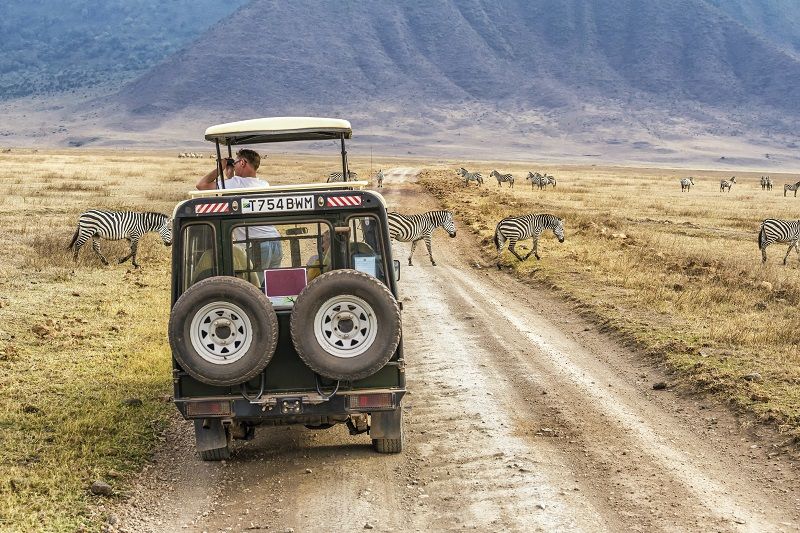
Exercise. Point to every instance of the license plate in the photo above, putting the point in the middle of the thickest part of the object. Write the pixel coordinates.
(282, 203)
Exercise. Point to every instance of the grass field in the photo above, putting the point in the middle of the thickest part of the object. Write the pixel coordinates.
(677, 274)
(81, 343)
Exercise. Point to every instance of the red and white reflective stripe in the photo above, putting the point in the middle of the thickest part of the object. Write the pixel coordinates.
(212, 208)
(343, 201)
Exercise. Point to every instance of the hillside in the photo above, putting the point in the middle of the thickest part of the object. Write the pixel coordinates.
(774, 20)
(515, 51)
(599, 77)
(52, 46)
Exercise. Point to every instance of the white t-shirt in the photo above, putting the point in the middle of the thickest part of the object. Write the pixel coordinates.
(255, 232)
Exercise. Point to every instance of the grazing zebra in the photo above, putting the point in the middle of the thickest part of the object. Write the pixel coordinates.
(501, 178)
(551, 180)
(538, 179)
(726, 184)
(686, 184)
(790, 187)
(766, 183)
(413, 228)
(774, 230)
(116, 225)
(335, 177)
(379, 177)
(513, 229)
(470, 176)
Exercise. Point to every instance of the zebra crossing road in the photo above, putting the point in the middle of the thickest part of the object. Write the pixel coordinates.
(521, 417)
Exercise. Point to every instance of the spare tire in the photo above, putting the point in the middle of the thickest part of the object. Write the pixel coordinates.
(223, 331)
(345, 325)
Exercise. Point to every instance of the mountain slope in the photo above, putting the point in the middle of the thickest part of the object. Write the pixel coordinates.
(774, 20)
(534, 76)
(322, 54)
(52, 46)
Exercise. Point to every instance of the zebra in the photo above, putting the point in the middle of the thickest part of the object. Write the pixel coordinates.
(379, 178)
(790, 187)
(551, 180)
(774, 230)
(470, 176)
(513, 229)
(766, 183)
(686, 183)
(335, 177)
(413, 228)
(538, 179)
(508, 178)
(115, 225)
(727, 184)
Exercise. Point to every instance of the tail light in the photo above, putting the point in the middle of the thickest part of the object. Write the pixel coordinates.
(222, 408)
(383, 400)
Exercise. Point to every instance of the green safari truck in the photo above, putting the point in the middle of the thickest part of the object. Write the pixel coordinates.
(314, 338)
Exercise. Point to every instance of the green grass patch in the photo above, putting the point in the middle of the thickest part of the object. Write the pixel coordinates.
(85, 371)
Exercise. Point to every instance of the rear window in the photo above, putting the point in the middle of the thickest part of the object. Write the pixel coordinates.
(282, 258)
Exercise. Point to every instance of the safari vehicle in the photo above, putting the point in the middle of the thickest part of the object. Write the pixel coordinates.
(313, 340)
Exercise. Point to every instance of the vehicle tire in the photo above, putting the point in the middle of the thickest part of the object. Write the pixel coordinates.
(390, 445)
(223, 331)
(218, 454)
(345, 325)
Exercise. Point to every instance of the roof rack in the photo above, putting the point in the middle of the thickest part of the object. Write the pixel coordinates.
(346, 185)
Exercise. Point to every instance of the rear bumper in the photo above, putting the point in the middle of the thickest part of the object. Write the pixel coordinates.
(298, 406)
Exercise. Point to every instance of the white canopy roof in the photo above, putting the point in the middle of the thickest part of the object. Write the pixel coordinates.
(277, 129)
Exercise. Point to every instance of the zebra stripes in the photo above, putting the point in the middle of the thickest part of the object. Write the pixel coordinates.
(791, 187)
(336, 177)
(774, 230)
(470, 176)
(727, 184)
(513, 229)
(766, 183)
(503, 178)
(686, 183)
(115, 225)
(379, 178)
(413, 228)
(542, 180)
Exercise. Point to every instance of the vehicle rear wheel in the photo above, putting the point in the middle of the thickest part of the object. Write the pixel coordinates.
(217, 454)
(395, 443)
(388, 445)
(345, 325)
(213, 440)
(223, 331)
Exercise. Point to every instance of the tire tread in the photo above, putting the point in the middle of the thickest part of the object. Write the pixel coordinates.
(319, 369)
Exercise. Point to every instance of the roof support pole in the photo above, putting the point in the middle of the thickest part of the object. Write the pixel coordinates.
(345, 166)
(220, 178)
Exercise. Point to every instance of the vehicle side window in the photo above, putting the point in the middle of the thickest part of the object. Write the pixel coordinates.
(365, 250)
(199, 254)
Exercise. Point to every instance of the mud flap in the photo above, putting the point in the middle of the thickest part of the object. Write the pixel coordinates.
(386, 424)
(209, 434)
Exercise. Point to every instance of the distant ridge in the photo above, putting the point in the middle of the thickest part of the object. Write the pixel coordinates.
(545, 53)
(557, 77)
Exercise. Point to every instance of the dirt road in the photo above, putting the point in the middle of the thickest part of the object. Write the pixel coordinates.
(521, 417)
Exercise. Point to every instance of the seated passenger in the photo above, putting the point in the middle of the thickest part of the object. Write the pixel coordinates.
(205, 266)
(315, 265)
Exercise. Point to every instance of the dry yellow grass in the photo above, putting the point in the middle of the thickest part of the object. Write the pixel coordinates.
(679, 274)
(77, 340)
